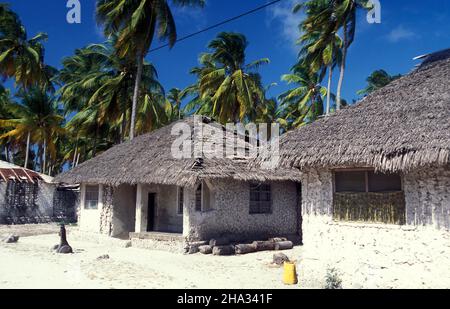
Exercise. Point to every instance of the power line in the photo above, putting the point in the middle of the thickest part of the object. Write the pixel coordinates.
(218, 24)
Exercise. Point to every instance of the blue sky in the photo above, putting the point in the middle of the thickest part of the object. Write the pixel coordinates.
(408, 29)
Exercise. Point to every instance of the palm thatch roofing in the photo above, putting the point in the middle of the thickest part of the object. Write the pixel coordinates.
(402, 126)
(148, 160)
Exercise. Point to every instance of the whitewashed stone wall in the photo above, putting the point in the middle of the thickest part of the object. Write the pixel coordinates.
(45, 198)
(107, 211)
(2, 200)
(428, 197)
(124, 210)
(317, 192)
(427, 193)
(377, 255)
(229, 216)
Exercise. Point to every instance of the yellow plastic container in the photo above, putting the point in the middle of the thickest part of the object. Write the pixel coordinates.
(290, 273)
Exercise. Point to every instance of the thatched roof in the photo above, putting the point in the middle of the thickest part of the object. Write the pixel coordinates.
(403, 126)
(148, 160)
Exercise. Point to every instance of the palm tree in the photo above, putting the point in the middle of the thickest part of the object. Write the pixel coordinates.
(5, 113)
(175, 97)
(331, 17)
(322, 47)
(136, 22)
(377, 80)
(303, 104)
(98, 82)
(20, 57)
(37, 120)
(230, 88)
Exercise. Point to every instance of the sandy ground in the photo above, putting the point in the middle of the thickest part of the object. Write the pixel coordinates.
(31, 264)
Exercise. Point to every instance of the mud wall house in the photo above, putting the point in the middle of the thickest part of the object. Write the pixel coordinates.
(138, 187)
(378, 170)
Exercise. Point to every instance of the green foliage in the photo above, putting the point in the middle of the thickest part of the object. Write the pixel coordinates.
(227, 89)
(21, 58)
(377, 80)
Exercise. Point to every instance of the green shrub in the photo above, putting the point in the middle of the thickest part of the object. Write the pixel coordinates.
(333, 280)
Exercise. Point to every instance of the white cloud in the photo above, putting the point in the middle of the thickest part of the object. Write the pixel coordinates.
(280, 15)
(400, 33)
(190, 16)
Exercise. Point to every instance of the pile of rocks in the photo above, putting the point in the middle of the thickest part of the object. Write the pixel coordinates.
(223, 246)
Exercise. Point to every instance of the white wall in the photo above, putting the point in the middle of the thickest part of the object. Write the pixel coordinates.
(230, 215)
(89, 219)
(167, 219)
(2, 200)
(124, 209)
(428, 197)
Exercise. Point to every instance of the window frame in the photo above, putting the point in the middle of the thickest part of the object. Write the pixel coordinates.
(86, 190)
(366, 173)
(260, 203)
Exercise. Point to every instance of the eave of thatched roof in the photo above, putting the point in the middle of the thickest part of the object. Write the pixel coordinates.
(148, 160)
(403, 126)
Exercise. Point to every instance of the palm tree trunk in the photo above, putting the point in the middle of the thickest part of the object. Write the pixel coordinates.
(45, 156)
(75, 155)
(342, 73)
(78, 159)
(124, 126)
(94, 148)
(6, 153)
(179, 109)
(27, 150)
(41, 159)
(330, 78)
(11, 156)
(140, 66)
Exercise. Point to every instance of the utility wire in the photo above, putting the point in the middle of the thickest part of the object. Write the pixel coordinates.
(218, 24)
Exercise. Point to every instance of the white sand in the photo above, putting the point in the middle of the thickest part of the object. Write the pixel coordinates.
(31, 264)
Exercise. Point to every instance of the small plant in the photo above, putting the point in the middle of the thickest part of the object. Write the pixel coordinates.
(333, 280)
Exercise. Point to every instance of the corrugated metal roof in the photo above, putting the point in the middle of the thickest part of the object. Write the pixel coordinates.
(10, 171)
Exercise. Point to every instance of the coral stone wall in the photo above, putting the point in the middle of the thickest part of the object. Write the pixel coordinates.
(2, 201)
(229, 214)
(45, 198)
(107, 211)
(317, 192)
(428, 197)
(376, 255)
(41, 206)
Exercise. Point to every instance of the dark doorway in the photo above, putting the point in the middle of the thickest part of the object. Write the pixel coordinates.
(151, 212)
